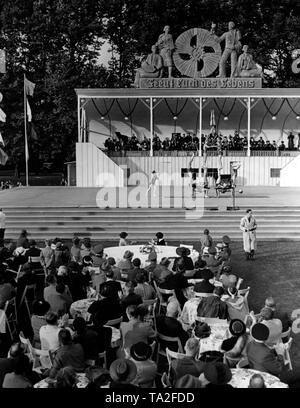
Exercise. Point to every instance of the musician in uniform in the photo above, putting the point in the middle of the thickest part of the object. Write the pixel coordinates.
(248, 225)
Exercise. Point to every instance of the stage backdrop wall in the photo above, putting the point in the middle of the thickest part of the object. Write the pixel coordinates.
(95, 169)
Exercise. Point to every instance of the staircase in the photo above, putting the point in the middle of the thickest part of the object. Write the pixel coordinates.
(274, 223)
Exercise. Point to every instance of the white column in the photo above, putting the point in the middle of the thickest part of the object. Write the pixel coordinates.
(78, 118)
(200, 125)
(151, 127)
(249, 125)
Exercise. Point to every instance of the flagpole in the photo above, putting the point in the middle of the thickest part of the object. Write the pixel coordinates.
(25, 127)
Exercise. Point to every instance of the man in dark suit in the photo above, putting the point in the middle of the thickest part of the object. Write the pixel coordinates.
(178, 282)
(168, 324)
(160, 239)
(264, 359)
(213, 306)
(115, 286)
(205, 286)
(7, 364)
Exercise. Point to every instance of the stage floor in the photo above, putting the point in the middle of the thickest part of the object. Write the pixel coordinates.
(86, 197)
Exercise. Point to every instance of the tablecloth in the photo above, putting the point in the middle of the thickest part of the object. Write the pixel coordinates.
(80, 308)
(241, 378)
(162, 251)
(219, 332)
(82, 381)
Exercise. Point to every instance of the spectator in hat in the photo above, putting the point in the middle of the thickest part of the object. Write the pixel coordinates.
(212, 262)
(69, 354)
(206, 240)
(205, 286)
(40, 308)
(26, 278)
(140, 354)
(216, 375)
(126, 263)
(7, 291)
(226, 247)
(86, 248)
(274, 325)
(19, 377)
(104, 332)
(63, 276)
(87, 337)
(278, 314)
(183, 254)
(116, 271)
(123, 241)
(130, 298)
(257, 381)
(98, 256)
(213, 306)
(229, 281)
(78, 281)
(75, 251)
(131, 274)
(49, 332)
(188, 364)
(123, 372)
(98, 378)
(169, 325)
(33, 255)
(135, 330)
(106, 304)
(234, 346)
(61, 254)
(22, 241)
(115, 286)
(7, 364)
(60, 301)
(200, 267)
(178, 282)
(152, 258)
(66, 378)
(188, 381)
(162, 271)
(47, 255)
(160, 239)
(143, 288)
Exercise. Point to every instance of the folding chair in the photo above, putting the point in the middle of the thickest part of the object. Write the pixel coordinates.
(41, 359)
(24, 299)
(160, 292)
(212, 320)
(285, 336)
(115, 322)
(160, 349)
(151, 306)
(10, 316)
(173, 355)
(243, 363)
(37, 270)
(286, 355)
(103, 356)
(16, 273)
(165, 381)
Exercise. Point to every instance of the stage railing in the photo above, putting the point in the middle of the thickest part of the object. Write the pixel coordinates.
(184, 153)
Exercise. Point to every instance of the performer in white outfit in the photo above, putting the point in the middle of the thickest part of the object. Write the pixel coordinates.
(154, 182)
(248, 225)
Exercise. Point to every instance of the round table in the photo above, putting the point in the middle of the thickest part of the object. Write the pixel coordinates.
(241, 378)
(80, 308)
(162, 251)
(82, 381)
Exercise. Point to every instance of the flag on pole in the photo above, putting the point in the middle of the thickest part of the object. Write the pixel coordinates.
(29, 114)
(2, 116)
(212, 121)
(29, 87)
(3, 157)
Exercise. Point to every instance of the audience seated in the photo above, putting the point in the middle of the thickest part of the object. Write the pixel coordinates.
(143, 288)
(68, 354)
(266, 317)
(75, 250)
(189, 364)
(115, 287)
(123, 372)
(7, 291)
(18, 378)
(7, 364)
(130, 297)
(140, 354)
(87, 337)
(235, 346)
(40, 308)
(161, 271)
(177, 281)
(168, 324)
(205, 286)
(257, 381)
(66, 378)
(184, 258)
(216, 375)
(213, 306)
(278, 314)
(106, 304)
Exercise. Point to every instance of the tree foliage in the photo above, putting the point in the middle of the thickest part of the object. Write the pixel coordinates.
(56, 44)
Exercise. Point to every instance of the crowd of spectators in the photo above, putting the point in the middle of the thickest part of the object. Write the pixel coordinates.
(128, 291)
(190, 142)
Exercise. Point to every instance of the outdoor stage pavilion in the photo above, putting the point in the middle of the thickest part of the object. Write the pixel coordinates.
(268, 112)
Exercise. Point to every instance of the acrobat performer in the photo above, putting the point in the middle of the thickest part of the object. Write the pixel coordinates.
(154, 181)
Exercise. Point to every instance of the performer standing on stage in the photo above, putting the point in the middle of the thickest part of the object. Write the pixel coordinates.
(248, 225)
(153, 182)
